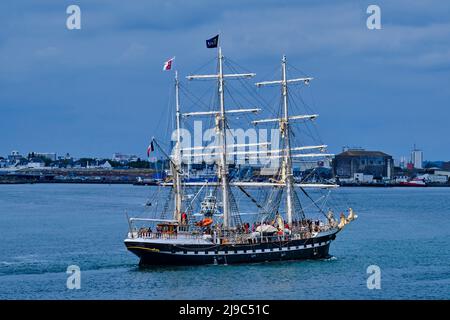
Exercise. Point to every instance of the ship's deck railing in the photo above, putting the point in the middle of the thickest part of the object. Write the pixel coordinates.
(223, 237)
(247, 239)
(157, 235)
(145, 234)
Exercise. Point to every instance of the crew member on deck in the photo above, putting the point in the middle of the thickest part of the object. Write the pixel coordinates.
(183, 218)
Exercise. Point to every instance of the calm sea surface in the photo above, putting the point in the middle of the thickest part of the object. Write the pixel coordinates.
(44, 228)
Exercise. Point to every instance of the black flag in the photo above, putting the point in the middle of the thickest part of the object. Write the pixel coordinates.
(150, 149)
(212, 43)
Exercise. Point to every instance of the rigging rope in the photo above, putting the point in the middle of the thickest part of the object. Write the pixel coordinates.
(320, 209)
(250, 197)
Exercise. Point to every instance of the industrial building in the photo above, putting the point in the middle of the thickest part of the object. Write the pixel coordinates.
(360, 165)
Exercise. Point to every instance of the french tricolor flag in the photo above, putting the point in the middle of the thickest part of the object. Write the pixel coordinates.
(168, 64)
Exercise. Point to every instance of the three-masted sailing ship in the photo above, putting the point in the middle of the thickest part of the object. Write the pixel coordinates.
(211, 229)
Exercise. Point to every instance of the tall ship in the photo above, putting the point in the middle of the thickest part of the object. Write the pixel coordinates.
(227, 220)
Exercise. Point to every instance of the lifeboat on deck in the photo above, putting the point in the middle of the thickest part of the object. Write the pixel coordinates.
(205, 222)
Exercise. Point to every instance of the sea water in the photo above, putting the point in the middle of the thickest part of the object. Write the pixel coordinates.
(45, 228)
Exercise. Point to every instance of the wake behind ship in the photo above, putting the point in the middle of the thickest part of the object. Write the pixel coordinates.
(199, 222)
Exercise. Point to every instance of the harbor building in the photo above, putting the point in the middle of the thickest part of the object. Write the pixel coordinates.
(14, 156)
(47, 155)
(361, 165)
(124, 158)
(3, 162)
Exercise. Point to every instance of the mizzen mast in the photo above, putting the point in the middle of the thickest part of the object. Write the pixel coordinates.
(178, 156)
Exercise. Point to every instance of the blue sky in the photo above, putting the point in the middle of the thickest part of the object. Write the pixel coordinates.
(101, 89)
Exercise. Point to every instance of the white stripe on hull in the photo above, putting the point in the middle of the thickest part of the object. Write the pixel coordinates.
(249, 251)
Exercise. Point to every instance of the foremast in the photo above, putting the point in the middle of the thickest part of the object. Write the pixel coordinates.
(287, 177)
(287, 174)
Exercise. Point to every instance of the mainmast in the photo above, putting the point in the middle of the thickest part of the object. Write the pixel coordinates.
(221, 127)
(223, 168)
(178, 156)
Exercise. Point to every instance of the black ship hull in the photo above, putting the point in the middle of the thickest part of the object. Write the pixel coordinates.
(152, 253)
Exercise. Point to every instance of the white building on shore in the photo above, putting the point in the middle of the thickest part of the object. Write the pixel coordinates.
(417, 158)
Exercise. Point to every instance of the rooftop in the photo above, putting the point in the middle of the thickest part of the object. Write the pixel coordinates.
(358, 153)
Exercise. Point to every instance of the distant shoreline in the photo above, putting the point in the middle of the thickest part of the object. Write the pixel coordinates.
(80, 176)
(18, 182)
(143, 177)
